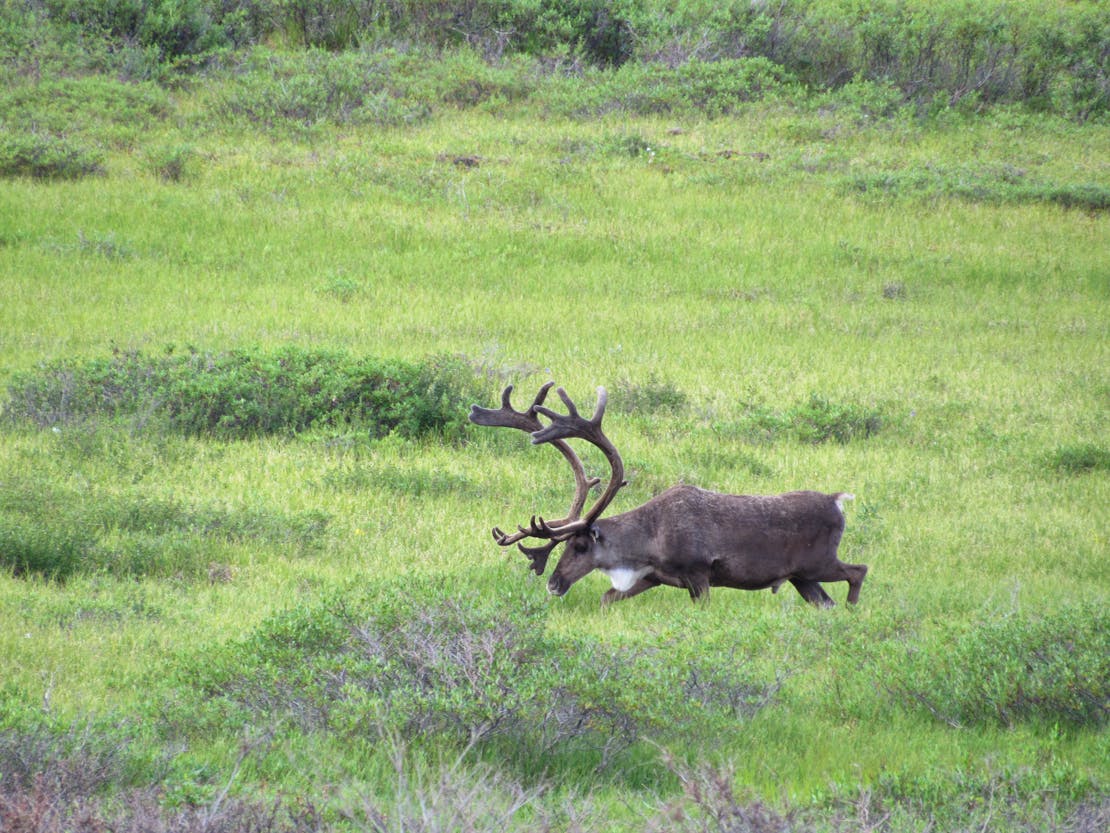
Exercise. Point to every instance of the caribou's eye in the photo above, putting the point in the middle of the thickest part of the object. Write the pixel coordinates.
(581, 546)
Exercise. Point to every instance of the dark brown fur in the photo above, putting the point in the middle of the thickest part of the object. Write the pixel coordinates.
(696, 539)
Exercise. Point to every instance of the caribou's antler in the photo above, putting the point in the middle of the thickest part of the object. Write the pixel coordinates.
(508, 417)
(561, 428)
(566, 426)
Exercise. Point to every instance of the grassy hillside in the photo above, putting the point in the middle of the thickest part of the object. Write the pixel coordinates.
(250, 289)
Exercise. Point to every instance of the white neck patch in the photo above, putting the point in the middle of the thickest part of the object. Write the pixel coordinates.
(624, 577)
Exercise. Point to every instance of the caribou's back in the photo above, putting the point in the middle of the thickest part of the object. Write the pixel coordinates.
(744, 541)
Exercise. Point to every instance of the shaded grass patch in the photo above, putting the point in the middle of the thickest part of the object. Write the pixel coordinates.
(1080, 458)
(1005, 186)
(816, 420)
(56, 532)
(648, 397)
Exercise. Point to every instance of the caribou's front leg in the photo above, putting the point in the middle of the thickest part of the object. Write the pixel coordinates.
(812, 592)
(614, 595)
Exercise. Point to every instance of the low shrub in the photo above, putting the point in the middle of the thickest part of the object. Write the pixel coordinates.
(250, 393)
(710, 801)
(445, 662)
(40, 809)
(43, 156)
(82, 106)
(303, 89)
(68, 762)
(173, 163)
(1052, 670)
(713, 89)
(454, 798)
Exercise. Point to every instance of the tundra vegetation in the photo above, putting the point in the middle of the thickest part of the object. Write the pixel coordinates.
(258, 257)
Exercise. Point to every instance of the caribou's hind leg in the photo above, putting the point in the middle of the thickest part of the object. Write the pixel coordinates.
(854, 574)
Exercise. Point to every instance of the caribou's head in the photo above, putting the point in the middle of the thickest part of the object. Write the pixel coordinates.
(579, 532)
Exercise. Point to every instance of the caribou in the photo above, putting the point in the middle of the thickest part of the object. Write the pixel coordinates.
(685, 537)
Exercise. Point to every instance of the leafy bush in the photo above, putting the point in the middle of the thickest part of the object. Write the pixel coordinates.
(247, 393)
(602, 32)
(1055, 670)
(933, 55)
(173, 27)
(43, 156)
(68, 106)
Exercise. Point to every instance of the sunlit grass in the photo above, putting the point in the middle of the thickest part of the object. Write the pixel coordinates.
(977, 334)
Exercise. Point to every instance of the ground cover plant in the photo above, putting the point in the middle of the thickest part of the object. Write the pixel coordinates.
(258, 258)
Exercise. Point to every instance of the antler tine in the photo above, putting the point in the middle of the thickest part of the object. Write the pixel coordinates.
(507, 416)
(565, 426)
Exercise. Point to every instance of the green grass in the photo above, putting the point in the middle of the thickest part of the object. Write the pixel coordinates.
(937, 346)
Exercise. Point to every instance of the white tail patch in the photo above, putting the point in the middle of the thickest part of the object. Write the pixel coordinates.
(840, 498)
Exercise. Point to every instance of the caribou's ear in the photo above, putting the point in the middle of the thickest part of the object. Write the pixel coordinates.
(595, 533)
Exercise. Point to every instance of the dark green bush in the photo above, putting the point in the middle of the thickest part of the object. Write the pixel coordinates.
(173, 27)
(602, 32)
(250, 393)
(43, 156)
(934, 56)
(1053, 670)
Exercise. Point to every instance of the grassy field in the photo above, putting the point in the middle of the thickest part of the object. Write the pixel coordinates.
(909, 306)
